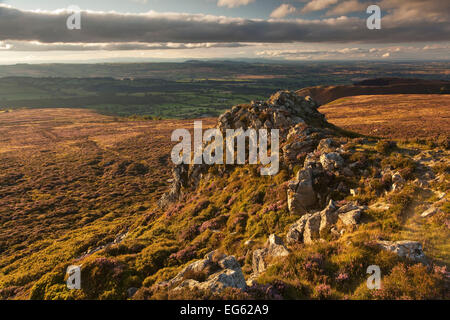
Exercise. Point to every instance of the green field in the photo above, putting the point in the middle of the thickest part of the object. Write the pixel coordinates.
(181, 90)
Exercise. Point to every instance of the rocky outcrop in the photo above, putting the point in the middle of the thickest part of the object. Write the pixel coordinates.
(429, 212)
(404, 249)
(300, 194)
(328, 216)
(293, 115)
(350, 213)
(214, 273)
(311, 227)
(273, 248)
(283, 110)
(295, 232)
(331, 161)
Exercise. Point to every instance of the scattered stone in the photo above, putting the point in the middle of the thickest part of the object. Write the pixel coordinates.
(350, 218)
(405, 249)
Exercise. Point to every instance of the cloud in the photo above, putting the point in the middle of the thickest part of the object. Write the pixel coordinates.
(347, 7)
(310, 52)
(428, 11)
(317, 5)
(382, 52)
(59, 46)
(282, 11)
(154, 27)
(233, 3)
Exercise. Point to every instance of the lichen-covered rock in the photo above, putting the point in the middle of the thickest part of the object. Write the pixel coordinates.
(404, 249)
(328, 216)
(312, 228)
(429, 212)
(283, 110)
(295, 232)
(220, 271)
(350, 218)
(331, 161)
(300, 194)
(350, 213)
(274, 248)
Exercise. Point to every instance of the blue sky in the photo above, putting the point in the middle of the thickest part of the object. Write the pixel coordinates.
(141, 30)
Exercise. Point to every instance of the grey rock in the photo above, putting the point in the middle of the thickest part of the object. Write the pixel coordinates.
(301, 195)
(274, 248)
(312, 228)
(405, 249)
(229, 275)
(295, 232)
(331, 161)
(328, 216)
(350, 218)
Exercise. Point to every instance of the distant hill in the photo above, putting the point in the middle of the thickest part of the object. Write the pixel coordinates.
(326, 94)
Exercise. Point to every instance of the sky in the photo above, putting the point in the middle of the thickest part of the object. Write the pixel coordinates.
(160, 30)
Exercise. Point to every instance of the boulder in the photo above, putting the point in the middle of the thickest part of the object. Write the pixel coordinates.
(274, 248)
(328, 216)
(404, 249)
(331, 161)
(312, 228)
(295, 232)
(300, 194)
(350, 218)
(226, 272)
(429, 212)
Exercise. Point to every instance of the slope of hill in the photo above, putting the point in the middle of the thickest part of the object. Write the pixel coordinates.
(326, 94)
(87, 194)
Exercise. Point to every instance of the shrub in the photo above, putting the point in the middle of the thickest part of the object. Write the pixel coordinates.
(385, 147)
(408, 282)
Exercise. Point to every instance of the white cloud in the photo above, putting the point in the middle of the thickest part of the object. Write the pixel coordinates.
(233, 3)
(155, 27)
(317, 5)
(347, 7)
(117, 46)
(282, 11)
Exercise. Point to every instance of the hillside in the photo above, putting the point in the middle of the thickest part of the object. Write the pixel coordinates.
(379, 86)
(86, 190)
